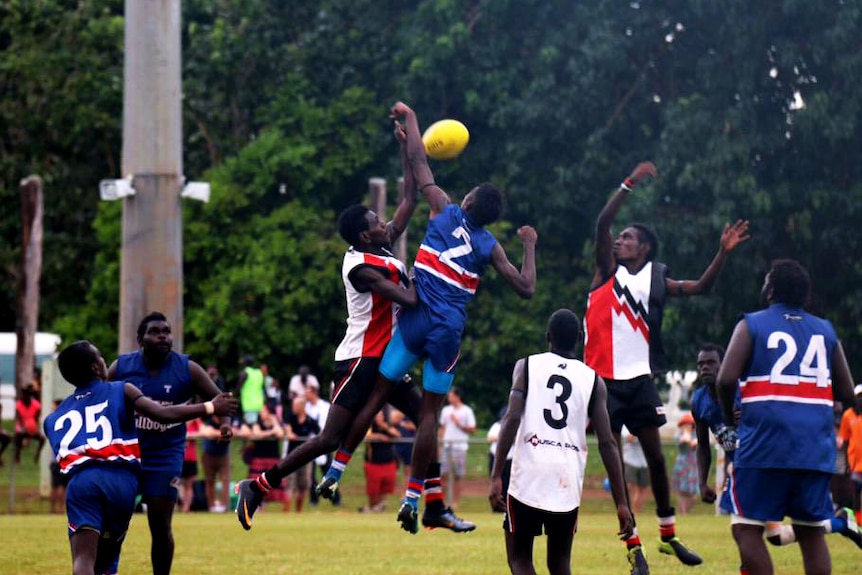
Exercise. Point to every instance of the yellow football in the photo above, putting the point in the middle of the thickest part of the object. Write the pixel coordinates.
(445, 139)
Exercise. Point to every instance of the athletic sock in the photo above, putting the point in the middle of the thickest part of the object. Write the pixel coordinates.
(634, 540)
(434, 497)
(667, 527)
(836, 525)
(414, 492)
(339, 464)
(262, 485)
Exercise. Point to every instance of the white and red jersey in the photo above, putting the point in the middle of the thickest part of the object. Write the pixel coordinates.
(370, 317)
(549, 456)
(623, 323)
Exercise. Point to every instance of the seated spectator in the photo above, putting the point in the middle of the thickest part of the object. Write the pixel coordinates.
(262, 450)
(28, 411)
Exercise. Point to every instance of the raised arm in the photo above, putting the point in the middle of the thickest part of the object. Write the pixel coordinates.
(735, 360)
(606, 263)
(610, 454)
(731, 237)
(508, 430)
(221, 404)
(408, 202)
(524, 281)
(423, 178)
(704, 461)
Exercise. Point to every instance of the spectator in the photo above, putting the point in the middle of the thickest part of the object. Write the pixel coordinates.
(404, 447)
(299, 382)
(190, 465)
(216, 464)
(59, 481)
(250, 386)
(5, 439)
(216, 377)
(685, 480)
(636, 469)
(318, 410)
(457, 423)
(300, 427)
(27, 413)
(262, 451)
(851, 435)
(380, 464)
(271, 390)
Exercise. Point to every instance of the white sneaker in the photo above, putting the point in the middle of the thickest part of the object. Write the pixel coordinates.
(218, 508)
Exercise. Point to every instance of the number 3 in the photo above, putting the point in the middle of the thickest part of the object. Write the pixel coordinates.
(565, 393)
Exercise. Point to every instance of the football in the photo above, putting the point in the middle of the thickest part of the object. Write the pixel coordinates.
(445, 139)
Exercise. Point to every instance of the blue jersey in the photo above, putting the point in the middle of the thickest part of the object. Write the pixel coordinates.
(706, 409)
(93, 426)
(787, 419)
(162, 444)
(450, 262)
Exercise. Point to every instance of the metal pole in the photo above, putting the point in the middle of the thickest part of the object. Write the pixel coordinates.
(400, 247)
(151, 271)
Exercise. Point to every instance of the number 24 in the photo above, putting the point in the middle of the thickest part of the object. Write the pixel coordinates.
(815, 353)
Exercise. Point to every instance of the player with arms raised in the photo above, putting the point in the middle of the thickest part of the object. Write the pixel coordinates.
(453, 257)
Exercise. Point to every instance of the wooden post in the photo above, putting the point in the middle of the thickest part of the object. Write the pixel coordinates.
(400, 247)
(377, 196)
(28, 281)
(151, 270)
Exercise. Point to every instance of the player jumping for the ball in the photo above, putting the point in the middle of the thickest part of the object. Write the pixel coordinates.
(449, 265)
(623, 324)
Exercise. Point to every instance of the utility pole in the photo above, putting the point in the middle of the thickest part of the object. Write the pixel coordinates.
(151, 271)
(377, 202)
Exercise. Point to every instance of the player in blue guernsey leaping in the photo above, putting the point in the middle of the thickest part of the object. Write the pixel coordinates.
(454, 255)
(92, 433)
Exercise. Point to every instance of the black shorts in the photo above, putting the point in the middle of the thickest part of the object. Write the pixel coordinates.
(355, 380)
(190, 469)
(634, 403)
(522, 520)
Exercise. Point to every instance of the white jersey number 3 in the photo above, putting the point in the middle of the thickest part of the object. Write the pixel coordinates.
(813, 364)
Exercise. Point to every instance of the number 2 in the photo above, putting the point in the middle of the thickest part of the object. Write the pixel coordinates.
(815, 353)
(448, 255)
(94, 422)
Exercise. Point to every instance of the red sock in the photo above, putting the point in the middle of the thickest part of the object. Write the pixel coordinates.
(633, 541)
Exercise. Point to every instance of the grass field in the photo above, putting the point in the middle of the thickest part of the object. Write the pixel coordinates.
(340, 541)
(346, 543)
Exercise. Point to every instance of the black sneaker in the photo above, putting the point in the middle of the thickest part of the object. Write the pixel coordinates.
(408, 517)
(327, 487)
(247, 502)
(446, 519)
(684, 554)
(851, 532)
(637, 559)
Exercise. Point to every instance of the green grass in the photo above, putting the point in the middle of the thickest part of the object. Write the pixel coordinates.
(340, 541)
(343, 542)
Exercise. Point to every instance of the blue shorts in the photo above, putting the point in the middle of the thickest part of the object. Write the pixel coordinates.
(162, 483)
(773, 494)
(102, 499)
(398, 359)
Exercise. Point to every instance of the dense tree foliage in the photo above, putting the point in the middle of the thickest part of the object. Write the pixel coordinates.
(749, 110)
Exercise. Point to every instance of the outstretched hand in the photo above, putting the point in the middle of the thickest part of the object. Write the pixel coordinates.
(627, 522)
(643, 171)
(400, 133)
(400, 111)
(733, 235)
(528, 234)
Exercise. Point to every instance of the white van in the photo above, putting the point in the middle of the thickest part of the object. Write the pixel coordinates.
(45, 347)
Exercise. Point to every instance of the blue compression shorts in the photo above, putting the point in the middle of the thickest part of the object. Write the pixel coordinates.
(398, 359)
